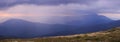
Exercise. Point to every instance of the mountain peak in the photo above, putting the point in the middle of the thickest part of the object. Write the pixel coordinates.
(15, 21)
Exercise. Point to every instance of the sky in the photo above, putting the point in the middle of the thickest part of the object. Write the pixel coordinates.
(45, 10)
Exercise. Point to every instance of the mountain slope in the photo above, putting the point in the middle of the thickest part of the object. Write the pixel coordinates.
(92, 28)
(25, 29)
(21, 28)
(86, 20)
(73, 25)
(112, 35)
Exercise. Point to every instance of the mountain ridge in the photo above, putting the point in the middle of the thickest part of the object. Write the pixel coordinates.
(26, 29)
(101, 36)
(21, 27)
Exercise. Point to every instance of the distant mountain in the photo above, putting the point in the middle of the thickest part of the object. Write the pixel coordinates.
(86, 20)
(99, 27)
(78, 20)
(25, 29)
(22, 28)
(85, 29)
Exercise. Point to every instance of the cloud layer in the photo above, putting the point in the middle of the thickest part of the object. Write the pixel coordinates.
(9, 3)
(91, 5)
(44, 10)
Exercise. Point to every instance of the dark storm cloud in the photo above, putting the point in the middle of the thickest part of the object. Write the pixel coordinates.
(9, 3)
(91, 5)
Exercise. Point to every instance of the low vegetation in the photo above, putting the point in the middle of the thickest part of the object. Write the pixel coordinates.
(112, 35)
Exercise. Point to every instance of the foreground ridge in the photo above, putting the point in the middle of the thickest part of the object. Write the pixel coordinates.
(112, 35)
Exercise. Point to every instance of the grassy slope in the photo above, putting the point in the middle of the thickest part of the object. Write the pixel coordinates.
(112, 35)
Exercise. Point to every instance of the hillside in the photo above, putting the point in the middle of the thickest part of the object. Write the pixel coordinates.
(18, 28)
(112, 35)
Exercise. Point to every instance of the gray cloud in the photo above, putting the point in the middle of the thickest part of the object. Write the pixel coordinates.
(92, 5)
(9, 3)
(50, 8)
